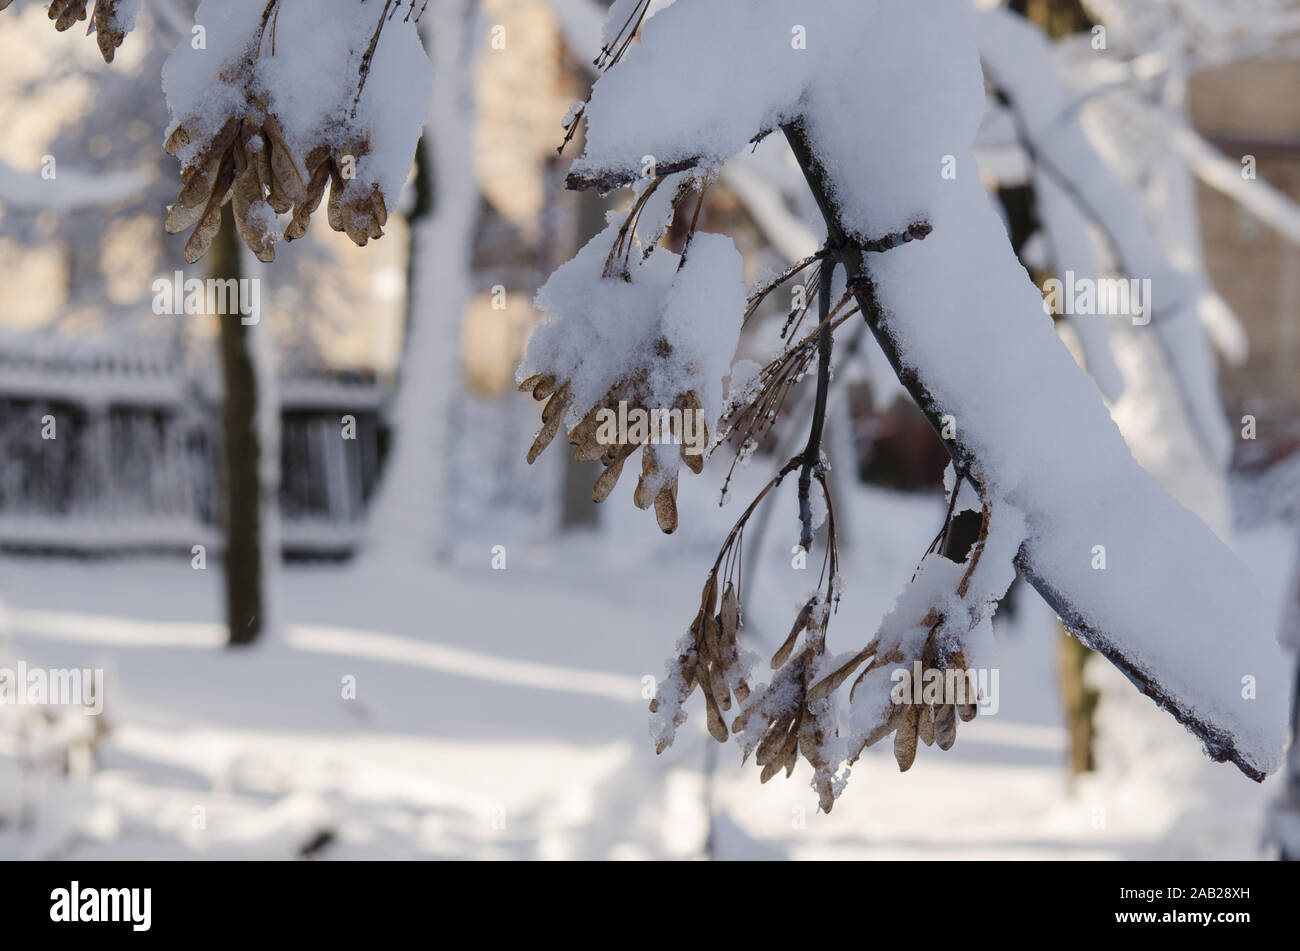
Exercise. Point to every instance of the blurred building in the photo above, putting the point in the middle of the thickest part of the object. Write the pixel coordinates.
(1252, 109)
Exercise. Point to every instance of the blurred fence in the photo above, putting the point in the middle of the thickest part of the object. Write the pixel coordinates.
(104, 452)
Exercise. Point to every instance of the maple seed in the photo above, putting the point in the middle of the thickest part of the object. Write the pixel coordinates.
(657, 485)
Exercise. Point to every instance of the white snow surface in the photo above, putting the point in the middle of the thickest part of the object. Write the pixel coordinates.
(488, 724)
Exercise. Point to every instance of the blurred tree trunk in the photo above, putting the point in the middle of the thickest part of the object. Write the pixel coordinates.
(1286, 823)
(1079, 700)
(577, 510)
(409, 510)
(1057, 17)
(242, 453)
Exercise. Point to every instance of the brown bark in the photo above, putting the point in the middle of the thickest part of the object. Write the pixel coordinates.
(241, 456)
(1079, 701)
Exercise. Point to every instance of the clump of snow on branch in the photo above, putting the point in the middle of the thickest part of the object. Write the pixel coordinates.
(629, 322)
(597, 330)
(335, 91)
(749, 51)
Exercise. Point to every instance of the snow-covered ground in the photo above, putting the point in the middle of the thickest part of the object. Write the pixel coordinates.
(501, 713)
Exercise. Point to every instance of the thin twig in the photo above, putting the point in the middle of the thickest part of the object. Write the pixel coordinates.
(811, 456)
(368, 56)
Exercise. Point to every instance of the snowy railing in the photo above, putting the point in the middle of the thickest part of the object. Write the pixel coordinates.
(118, 451)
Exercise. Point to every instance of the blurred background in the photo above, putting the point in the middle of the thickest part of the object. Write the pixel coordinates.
(432, 649)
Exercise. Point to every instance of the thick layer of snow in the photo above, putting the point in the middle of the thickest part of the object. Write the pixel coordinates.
(777, 64)
(1171, 596)
(601, 330)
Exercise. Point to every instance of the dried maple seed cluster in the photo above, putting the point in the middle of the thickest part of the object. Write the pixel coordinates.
(932, 723)
(713, 662)
(796, 726)
(360, 216)
(108, 35)
(247, 163)
(657, 485)
(250, 165)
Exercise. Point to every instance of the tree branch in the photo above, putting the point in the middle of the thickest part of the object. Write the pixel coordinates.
(610, 179)
(812, 453)
(1219, 744)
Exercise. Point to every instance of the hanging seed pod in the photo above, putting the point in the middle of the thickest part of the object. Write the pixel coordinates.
(540, 385)
(905, 739)
(945, 726)
(552, 416)
(690, 403)
(773, 741)
(666, 508)
(789, 754)
(585, 437)
(282, 179)
(252, 229)
(108, 36)
(712, 633)
(210, 220)
(646, 487)
(717, 727)
(606, 481)
(718, 684)
(318, 171)
(64, 13)
(925, 725)
(709, 594)
(800, 623)
(830, 684)
(729, 617)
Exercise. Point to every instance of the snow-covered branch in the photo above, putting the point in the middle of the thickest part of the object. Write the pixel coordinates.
(67, 190)
(1130, 571)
